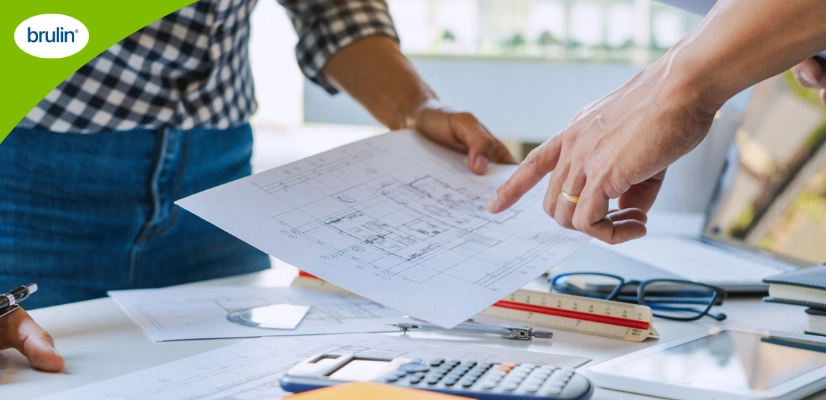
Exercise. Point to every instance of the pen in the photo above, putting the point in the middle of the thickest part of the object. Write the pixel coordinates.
(10, 299)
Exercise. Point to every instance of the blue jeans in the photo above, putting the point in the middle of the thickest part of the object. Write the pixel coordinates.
(83, 214)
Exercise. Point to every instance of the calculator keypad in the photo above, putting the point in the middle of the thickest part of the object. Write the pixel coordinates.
(522, 379)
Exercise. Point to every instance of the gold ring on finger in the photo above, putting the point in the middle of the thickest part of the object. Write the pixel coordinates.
(569, 198)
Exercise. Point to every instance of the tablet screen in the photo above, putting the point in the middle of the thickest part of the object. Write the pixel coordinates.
(732, 359)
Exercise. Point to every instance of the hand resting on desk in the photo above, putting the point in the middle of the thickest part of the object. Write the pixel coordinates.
(19, 331)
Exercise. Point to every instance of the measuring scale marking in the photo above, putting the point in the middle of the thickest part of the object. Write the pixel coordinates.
(577, 314)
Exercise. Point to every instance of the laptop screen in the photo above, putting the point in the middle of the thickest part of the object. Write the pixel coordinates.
(771, 197)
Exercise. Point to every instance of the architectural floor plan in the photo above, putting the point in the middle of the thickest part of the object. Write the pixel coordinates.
(396, 219)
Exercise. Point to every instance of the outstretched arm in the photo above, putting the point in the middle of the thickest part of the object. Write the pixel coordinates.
(380, 77)
(351, 45)
(621, 145)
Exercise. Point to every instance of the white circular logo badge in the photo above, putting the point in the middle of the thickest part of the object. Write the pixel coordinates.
(51, 36)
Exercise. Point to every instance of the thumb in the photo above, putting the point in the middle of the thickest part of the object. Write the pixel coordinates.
(482, 146)
(19, 331)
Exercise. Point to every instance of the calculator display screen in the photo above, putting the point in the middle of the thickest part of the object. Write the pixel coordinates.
(732, 359)
(360, 370)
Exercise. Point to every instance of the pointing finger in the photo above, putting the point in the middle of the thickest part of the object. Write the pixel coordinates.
(539, 163)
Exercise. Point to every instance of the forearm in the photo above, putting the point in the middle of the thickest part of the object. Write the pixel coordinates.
(743, 42)
(377, 75)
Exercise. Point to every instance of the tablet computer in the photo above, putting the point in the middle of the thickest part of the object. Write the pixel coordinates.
(721, 364)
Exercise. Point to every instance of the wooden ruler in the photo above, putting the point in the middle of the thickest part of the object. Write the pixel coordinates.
(309, 281)
(551, 310)
(576, 314)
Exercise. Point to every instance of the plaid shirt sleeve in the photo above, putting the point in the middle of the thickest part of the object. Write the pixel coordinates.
(326, 26)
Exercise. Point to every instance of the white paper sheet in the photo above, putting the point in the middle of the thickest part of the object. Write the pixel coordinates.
(251, 370)
(201, 313)
(396, 219)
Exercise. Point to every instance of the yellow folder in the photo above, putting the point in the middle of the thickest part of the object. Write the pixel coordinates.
(371, 391)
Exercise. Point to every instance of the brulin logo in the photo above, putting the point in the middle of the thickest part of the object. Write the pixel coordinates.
(58, 35)
(51, 36)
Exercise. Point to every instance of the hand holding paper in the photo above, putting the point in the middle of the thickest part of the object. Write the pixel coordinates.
(396, 219)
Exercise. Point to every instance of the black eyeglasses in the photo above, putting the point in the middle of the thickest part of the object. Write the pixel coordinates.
(672, 299)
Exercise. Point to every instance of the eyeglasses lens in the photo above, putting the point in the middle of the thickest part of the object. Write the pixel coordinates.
(676, 299)
(594, 286)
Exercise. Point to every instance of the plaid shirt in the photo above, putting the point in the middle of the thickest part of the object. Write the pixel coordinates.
(191, 68)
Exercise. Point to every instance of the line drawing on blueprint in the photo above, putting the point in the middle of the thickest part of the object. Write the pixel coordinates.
(252, 370)
(268, 366)
(397, 219)
(320, 314)
(201, 312)
(415, 222)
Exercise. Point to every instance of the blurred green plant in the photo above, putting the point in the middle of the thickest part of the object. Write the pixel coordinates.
(448, 36)
(516, 41)
(546, 39)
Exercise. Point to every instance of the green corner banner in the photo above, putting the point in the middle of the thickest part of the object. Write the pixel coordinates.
(28, 79)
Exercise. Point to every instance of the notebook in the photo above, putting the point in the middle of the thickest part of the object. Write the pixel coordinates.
(815, 322)
(804, 287)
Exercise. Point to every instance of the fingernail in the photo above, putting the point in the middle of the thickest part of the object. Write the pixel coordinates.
(492, 203)
(808, 78)
(481, 163)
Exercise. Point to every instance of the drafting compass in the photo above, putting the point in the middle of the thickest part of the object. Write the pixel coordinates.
(471, 326)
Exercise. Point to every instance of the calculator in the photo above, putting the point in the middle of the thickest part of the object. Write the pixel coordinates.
(469, 378)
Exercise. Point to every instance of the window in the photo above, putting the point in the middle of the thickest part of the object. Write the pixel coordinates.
(598, 30)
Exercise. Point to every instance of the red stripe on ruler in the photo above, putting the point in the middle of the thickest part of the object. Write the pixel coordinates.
(307, 275)
(605, 319)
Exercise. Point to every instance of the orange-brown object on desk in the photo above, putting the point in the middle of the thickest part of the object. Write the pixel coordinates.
(371, 391)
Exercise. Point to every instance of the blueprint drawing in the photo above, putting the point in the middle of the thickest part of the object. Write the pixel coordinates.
(201, 312)
(398, 220)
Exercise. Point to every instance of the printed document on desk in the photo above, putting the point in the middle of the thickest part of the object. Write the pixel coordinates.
(201, 312)
(251, 370)
(397, 219)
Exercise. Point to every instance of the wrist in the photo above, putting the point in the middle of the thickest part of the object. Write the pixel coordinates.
(695, 83)
(414, 114)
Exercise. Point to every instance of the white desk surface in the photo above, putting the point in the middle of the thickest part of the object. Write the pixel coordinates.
(100, 341)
